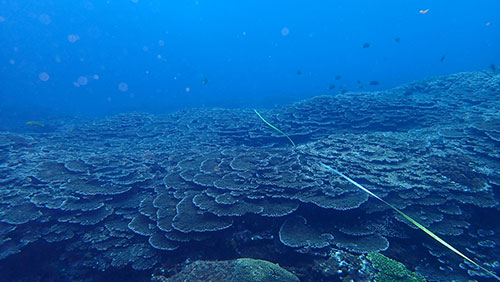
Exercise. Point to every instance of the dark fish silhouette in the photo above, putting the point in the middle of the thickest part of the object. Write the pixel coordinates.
(299, 72)
(442, 58)
(204, 81)
(358, 81)
(366, 45)
(331, 86)
(338, 77)
(397, 39)
(342, 91)
(493, 67)
(374, 82)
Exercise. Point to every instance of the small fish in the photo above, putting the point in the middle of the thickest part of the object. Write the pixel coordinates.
(331, 86)
(204, 81)
(342, 91)
(423, 11)
(299, 72)
(358, 81)
(338, 77)
(374, 82)
(366, 45)
(35, 123)
(397, 39)
(493, 67)
(442, 58)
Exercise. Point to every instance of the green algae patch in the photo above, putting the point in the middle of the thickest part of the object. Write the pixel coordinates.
(390, 270)
(246, 269)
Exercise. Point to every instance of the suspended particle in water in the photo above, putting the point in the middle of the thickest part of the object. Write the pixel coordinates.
(43, 76)
(95, 76)
(285, 31)
(12, 62)
(72, 38)
(123, 87)
(161, 43)
(82, 80)
(2, 19)
(188, 89)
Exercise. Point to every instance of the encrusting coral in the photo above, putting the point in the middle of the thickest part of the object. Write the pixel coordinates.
(389, 270)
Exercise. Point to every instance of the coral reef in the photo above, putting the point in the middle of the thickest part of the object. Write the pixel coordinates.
(133, 189)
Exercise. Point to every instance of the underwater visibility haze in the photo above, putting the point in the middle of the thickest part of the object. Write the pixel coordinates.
(249, 140)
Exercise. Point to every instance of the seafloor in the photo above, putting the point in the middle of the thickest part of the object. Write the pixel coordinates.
(132, 195)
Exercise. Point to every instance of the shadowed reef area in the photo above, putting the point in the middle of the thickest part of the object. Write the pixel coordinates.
(142, 194)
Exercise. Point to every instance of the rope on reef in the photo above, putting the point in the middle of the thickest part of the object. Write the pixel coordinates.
(414, 222)
(274, 127)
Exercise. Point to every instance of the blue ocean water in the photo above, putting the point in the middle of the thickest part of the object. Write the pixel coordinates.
(130, 150)
(229, 54)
